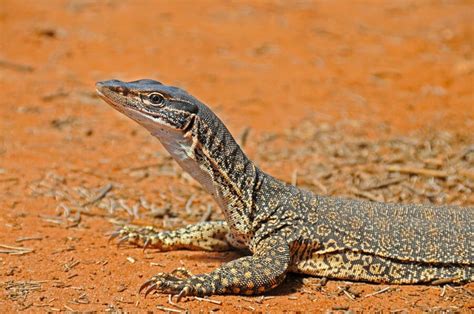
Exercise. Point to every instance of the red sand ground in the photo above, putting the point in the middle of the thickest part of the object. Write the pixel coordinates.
(266, 65)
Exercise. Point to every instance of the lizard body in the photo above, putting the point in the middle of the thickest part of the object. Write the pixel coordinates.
(285, 228)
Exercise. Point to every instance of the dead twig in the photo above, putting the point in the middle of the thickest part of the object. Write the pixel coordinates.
(189, 202)
(444, 281)
(144, 167)
(170, 301)
(319, 185)
(167, 309)
(418, 171)
(294, 177)
(244, 136)
(384, 184)
(100, 195)
(367, 195)
(443, 291)
(15, 250)
(207, 214)
(16, 66)
(21, 239)
(347, 293)
(69, 308)
(208, 300)
(377, 292)
(19, 290)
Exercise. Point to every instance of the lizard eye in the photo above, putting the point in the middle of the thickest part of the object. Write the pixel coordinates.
(156, 99)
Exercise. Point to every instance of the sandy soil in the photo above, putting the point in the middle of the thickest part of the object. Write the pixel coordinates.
(397, 67)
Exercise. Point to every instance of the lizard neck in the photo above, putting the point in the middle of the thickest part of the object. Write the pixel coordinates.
(209, 153)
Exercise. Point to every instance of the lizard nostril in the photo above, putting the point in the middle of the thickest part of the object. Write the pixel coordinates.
(122, 90)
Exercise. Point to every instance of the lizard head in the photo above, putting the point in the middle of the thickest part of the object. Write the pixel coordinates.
(150, 103)
(194, 136)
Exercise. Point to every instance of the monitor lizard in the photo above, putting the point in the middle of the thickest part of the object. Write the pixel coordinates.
(285, 228)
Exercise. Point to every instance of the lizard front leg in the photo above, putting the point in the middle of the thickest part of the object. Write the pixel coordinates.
(248, 275)
(207, 236)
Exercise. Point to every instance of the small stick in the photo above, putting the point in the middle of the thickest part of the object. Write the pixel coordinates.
(466, 291)
(384, 184)
(443, 291)
(398, 311)
(135, 210)
(443, 281)
(16, 66)
(319, 185)
(66, 210)
(69, 308)
(21, 239)
(124, 205)
(207, 214)
(208, 300)
(367, 195)
(89, 214)
(377, 292)
(54, 220)
(9, 179)
(340, 308)
(258, 300)
(420, 171)
(244, 136)
(67, 267)
(54, 309)
(189, 202)
(14, 250)
(143, 167)
(170, 301)
(167, 309)
(347, 293)
(102, 193)
(294, 177)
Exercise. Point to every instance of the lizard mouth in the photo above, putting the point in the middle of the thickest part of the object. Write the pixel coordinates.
(107, 95)
(107, 99)
(99, 92)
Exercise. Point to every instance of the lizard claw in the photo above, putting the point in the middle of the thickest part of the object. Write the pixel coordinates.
(145, 284)
(122, 239)
(178, 283)
(114, 234)
(139, 236)
(146, 244)
(151, 288)
(183, 293)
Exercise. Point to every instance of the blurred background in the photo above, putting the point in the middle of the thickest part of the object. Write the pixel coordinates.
(315, 91)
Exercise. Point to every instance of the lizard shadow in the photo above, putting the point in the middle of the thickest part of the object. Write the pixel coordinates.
(292, 283)
(202, 257)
